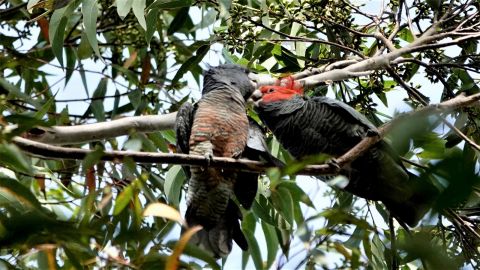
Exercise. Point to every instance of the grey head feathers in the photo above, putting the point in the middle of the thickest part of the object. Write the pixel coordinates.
(228, 77)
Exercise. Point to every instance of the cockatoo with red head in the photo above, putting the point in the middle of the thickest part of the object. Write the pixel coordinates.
(321, 125)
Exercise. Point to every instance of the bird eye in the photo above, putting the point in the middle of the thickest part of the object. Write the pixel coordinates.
(271, 90)
(233, 83)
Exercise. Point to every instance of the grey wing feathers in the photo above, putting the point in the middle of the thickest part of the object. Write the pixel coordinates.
(256, 149)
(183, 127)
(346, 111)
(256, 145)
(256, 135)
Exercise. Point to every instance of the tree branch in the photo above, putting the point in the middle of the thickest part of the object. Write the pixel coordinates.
(56, 152)
(93, 132)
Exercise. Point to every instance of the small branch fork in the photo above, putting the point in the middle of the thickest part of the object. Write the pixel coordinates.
(56, 152)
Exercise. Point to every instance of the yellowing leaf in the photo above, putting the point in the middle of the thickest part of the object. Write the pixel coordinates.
(172, 261)
(130, 60)
(342, 250)
(164, 211)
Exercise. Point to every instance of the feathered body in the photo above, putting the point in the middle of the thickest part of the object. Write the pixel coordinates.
(218, 126)
(322, 125)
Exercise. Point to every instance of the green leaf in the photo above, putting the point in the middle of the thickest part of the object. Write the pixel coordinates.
(135, 98)
(58, 22)
(224, 8)
(16, 93)
(286, 59)
(71, 59)
(139, 11)
(152, 17)
(45, 108)
(116, 102)
(248, 228)
(178, 21)
(282, 200)
(254, 249)
(296, 192)
(123, 7)
(170, 4)
(261, 211)
(72, 258)
(13, 193)
(433, 146)
(173, 184)
(123, 199)
(284, 240)
(208, 18)
(133, 144)
(158, 141)
(468, 83)
(13, 158)
(272, 243)
(97, 104)
(93, 157)
(382, 98)
(377, 251)
(336, 216)
(24, 123)
(191, 62)
(356, 238)
(406, 34)
(84, 50)
(90, 12)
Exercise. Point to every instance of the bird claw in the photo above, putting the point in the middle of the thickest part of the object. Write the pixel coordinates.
(372, 133)
(209, 158)
(333, 163)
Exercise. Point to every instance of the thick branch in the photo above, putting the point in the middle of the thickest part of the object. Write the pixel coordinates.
(56, 152)
(152, 123)
(98, 131)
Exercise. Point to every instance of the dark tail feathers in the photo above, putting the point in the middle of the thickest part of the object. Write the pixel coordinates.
(412, 210)
(218, 239)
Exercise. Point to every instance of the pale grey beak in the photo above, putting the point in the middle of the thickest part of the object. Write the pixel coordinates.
(256, 97)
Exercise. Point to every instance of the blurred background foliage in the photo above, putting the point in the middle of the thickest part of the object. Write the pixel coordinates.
(141, 57)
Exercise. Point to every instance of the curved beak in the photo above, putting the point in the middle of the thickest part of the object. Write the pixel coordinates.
(256, 97)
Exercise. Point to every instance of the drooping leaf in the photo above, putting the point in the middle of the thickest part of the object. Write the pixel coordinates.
(170, 4)
(164, 211)
(13, 158)
(173, 184)
(13, 193)
(138, 8)
(123, 7)
(272, 243)
(90, 13)
(172, 261)
(123, 199)
(151, 21)
(190, 63)
(282, 200)
(58, 22)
